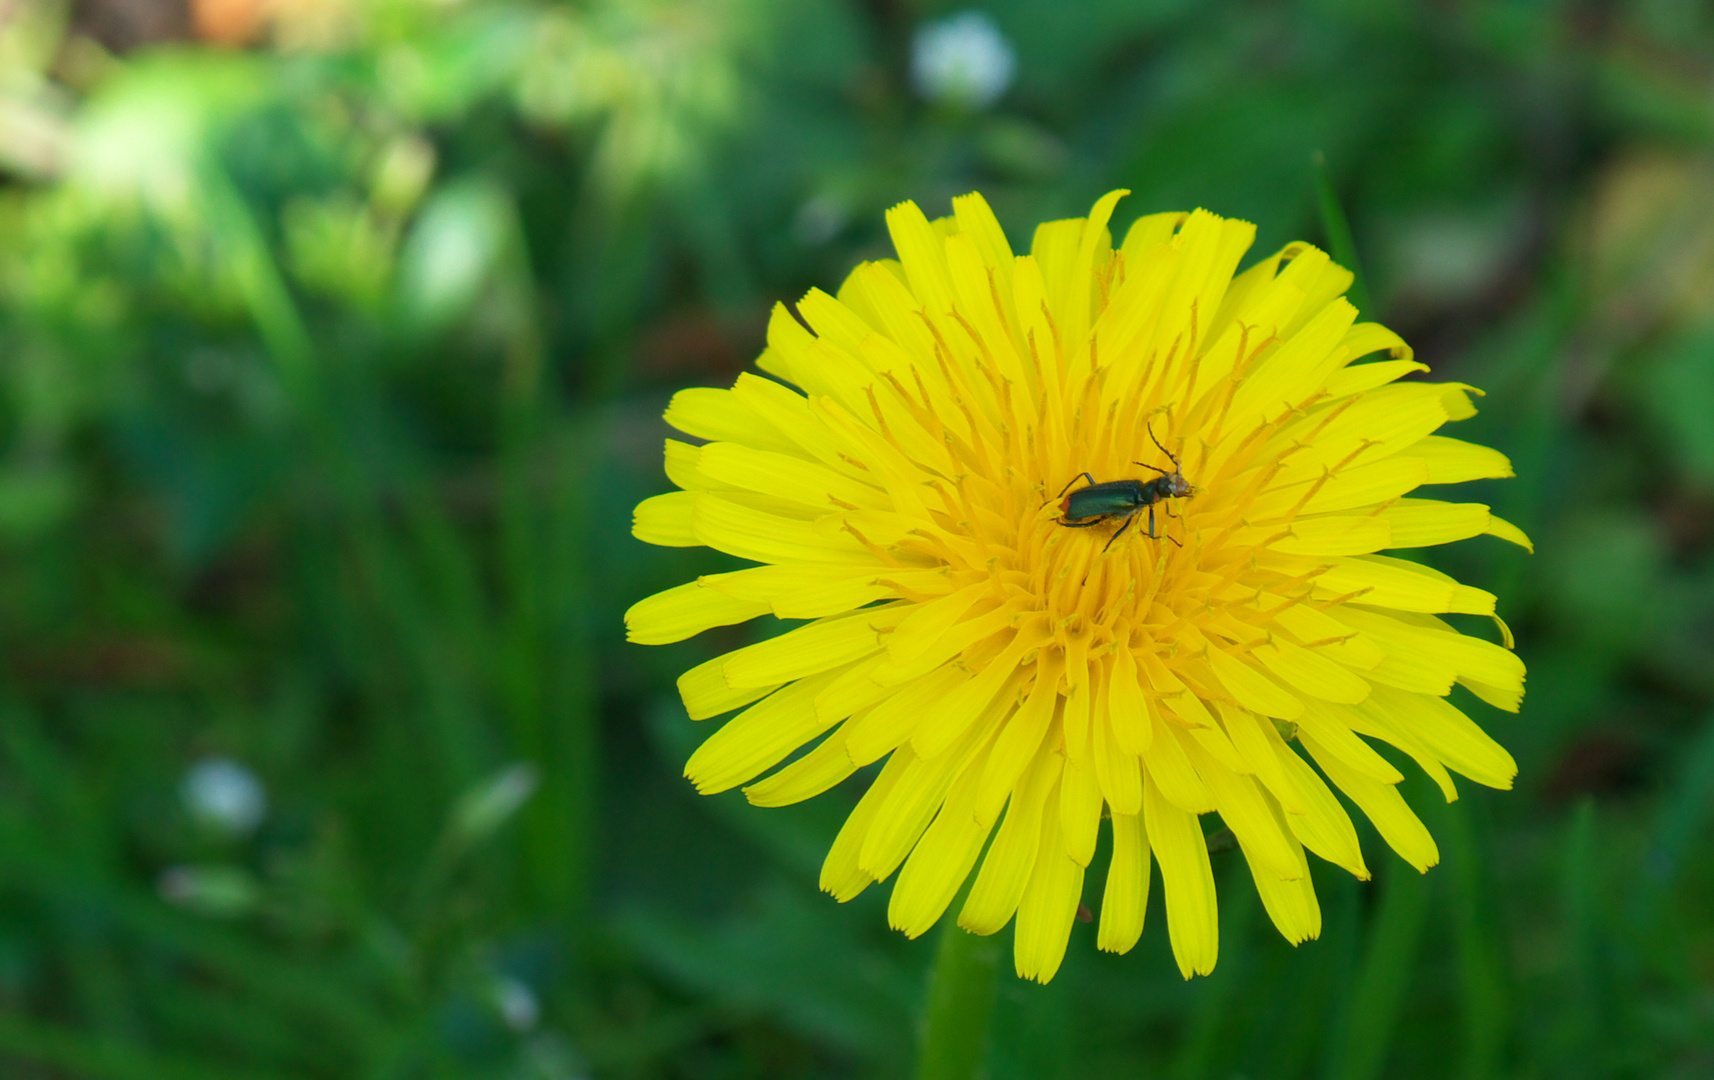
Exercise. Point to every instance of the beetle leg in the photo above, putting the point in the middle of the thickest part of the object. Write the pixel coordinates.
(1128, 519)
(1168, 510)
(1075, 479)
(1091, 523)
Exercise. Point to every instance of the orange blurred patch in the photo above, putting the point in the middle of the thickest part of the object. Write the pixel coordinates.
(233, 23)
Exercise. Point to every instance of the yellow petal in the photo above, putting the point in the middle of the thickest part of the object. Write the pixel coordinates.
(738, 530)
(1074, 718)
(929, 622)
(1125, 899)
(904, 816)
(1294, 372)
(1404, 633)
(706, 692)
(1505, 530)
(1120, 774)
(1311, 673)
(1215, 744)
(960, 639)
(1323, 282)
(978, 222)
(1126, 711)
(1376, 726)
(1384, 806)
(1019, 742)
(1246, 814)
(1049, 904)
(1369, 337)
(1290, 903)
(1385, 582)
(997, 684)
(1453, 461)
(1458, 403)
(1416, 672)
(804, 591)
(1361, 377)
(1245, 729)
(1253, 690)
(981, 291)
(1323, 827)
(666, 520)
(1172, 773)
(1330, 636)
(684, 612)
(784, 475)
(840, 874)
(1453, 737)
(833, 321)
(1498, 696)
(891, 722)
(1149, 231)
(1174, 695)
(1011, 857)
(941, 861)
(823, 644)
(1366, 485)
(853, 692)
(684, 468)
(922, 255)
(1256, 310)
(1212, 247)
(1176, 839)
(721, 415)
(1054, 249)
(807, 777)
(758, 738)
(789, 350)
(1344, 535)
(781, 409)
(1331, 727)
(1079, 812)
(1375, 426)
(1425, 522)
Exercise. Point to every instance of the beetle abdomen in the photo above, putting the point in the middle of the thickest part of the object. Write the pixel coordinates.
(1103, 500)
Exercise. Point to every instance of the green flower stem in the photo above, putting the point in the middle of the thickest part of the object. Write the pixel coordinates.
(960, 1004)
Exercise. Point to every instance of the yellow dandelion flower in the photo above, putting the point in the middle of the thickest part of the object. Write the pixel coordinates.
(1029, 661)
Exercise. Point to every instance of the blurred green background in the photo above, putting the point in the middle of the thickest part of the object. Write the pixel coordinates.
(334, 336)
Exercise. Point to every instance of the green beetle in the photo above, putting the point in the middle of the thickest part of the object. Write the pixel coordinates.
(1092, 505)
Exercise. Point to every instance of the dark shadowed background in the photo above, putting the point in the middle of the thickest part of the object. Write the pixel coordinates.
(334, 336)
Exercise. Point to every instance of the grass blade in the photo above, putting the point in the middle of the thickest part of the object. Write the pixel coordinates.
(1389, 960)
(1339, 240)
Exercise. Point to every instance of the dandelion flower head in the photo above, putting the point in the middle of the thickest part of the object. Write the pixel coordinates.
(899, 482)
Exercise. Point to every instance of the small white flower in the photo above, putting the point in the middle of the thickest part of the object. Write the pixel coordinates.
(821, 219)
(223, 793)
(962, 60)
(517, 1003)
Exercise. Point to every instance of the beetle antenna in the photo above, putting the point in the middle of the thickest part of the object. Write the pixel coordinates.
(1169, 454)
